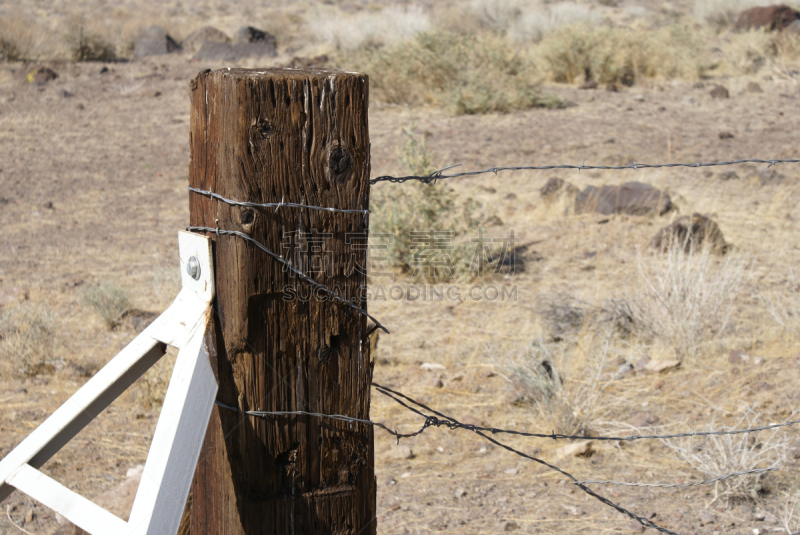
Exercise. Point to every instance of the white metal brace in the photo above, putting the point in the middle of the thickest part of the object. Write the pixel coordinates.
(170, 464)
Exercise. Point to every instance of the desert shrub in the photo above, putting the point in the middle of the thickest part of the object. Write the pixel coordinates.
(683, 299)
(466, 74)
(407, 209)
(109, 300)
(366, 28)
(88, 46)
(27, 339)
(562, 384)
(622, 55)
(720, 455)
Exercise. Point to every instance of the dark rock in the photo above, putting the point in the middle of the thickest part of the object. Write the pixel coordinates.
(726, 135)
(510, 526)
(729, 175)
(104, 70)
(154, 41)
(631, 198)
(248, 34)
(211, 51)
(41, 76)
(719, 91)
(589, 84)
(773, 18)
(691, 233)
(198, 38)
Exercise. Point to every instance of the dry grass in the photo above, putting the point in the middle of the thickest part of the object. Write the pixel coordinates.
(526, 22)
(720, 455)
(21, 39)
(84, 45)
(153, 385)
(371, 28)
(109, 300)
(682, 300)
(562, 383)
(27, 339)
(623, 55)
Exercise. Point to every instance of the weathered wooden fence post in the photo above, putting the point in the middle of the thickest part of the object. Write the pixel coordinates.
(297, 136)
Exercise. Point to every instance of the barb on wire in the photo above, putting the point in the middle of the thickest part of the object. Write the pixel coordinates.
(275, 205)
(399, 398)
(683, 485)
(437, 175)
(434, 418)
(305, 278)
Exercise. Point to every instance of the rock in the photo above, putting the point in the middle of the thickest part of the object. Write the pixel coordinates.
(317, 62)
(643, 419)
(612, 88)
(631, 198)
(729, 175)
(659, 366)
(639, 98)
(623, 370)
(431, 366)
(248, 34)
(64, 93)
(41, 76)
(154, 41)
(589, 84)
(211, 51)
(753, 87)
(691, 233)
(726, 135)
(635, 527)
(773, 18)
(556, 187)
(738, 357)
(459, 493)
(401, 453)
(576, 449)
(706, 518)
(719, 91)
(198, 38)
(436, 382)
(640, 364)
(510, 526)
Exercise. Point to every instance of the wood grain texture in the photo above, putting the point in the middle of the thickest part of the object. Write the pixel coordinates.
(301, 136)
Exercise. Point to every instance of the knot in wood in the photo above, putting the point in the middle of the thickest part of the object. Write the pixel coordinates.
(339, 160)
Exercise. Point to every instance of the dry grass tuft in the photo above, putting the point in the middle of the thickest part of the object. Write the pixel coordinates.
(27, 339)
(562, 383)
(525, 22)
(373, 28)
(21, 39)
(84, 45)
(465, 74)
(153, 386)
(684, 299)
(719, 455)
(783, 304)
(109, 300)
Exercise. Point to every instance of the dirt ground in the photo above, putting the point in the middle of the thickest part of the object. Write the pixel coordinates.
(93, 171)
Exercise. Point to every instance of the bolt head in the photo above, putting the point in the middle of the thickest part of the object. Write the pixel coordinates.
(193, 268)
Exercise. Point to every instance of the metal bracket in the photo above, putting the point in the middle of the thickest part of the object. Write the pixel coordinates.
(181, 427)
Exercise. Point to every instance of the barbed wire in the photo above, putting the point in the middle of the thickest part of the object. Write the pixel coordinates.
(275, 205)
(305, 278)
(439, 175)
(435, 418)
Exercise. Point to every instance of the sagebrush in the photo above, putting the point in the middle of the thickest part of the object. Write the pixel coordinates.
(109, 300)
